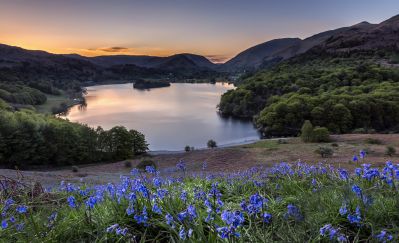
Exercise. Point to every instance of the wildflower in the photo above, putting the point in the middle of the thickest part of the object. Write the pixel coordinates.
(362, 154)
(355, 158)
(383, 236)
(343, 210)
(325, 229)
(357, 190)
(293, 211)
(71, 201)
(169, 220)
(183, 196)
(355, 218)
(112, 228)
(332, 232)
(150, 169)
(181, 166)
(157, 182)
(156, 209)
(91, 202)
(20, 227)
(135, 172)
(143, 217)
(4, 224)
(121, 231)
(182, 234)
(12, 219)
(267, 217)
(343, 174)
(130, 210)
(192, 211)
(204, 165)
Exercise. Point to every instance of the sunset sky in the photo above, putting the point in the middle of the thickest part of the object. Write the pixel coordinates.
(218, 29)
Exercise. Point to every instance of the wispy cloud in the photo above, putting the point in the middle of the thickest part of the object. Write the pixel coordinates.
(112, 49)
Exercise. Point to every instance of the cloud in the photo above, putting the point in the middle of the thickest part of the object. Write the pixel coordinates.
(112, 49)
(217, 58)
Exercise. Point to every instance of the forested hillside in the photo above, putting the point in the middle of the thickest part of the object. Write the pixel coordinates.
(28, 138)
(342, 92)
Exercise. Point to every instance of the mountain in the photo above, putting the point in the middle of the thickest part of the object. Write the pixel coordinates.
(253, 57)
(364, 37)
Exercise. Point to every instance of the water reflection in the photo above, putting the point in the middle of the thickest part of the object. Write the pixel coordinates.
(182, 114)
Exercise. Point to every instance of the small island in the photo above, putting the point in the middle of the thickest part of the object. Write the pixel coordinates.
(149, 84)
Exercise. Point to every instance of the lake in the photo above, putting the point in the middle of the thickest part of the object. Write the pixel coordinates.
(170, 118)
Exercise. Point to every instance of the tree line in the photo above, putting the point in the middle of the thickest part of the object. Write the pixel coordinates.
(28, 138)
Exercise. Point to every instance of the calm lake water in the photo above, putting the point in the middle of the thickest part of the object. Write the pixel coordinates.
(170, 118)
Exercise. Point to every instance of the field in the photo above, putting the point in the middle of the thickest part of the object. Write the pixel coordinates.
(53, 101)
(286, 202)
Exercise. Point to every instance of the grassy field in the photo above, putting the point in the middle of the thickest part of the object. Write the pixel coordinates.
(53, 101)
(288, 202)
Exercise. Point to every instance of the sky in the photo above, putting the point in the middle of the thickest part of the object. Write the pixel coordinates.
(217, 29)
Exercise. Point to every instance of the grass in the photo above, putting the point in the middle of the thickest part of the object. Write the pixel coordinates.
(285, 203)
(264, 144)
(53, 101)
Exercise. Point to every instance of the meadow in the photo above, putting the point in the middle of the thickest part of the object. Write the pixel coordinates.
(288, 202)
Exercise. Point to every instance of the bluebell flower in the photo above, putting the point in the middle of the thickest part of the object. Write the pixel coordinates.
(135, 172)
(156, 209)
(356, 217)
(161, 193)
(4, 224)
(293, 212)
(91, 202)
(169, 220)
(325, 229)
(121, 231)
(182, 234)
(355, 158)
(182, 215)
(192, 212)
(362, 154)
(204, 165)
(130, 210)
(343, 210)
(12, 219)
(112, 228)
(20, 227)
(143, 217)
(357, 190)
(181, 165)
(183, 196)
(383, 236)
(150, 169)
(71, 201)
(343, 174)
(267, 217)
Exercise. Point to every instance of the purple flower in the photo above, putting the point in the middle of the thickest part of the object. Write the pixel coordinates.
(383, 236)
(4, 224)
(22, 209)
(355, 158)
(71, 201)
(267, 217)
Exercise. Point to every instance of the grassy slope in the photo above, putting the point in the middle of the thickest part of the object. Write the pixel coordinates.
(53, 101)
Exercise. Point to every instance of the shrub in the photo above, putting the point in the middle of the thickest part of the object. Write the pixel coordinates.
(282, 141)
(334, 145)
(373, 141)
(211, 144)
(144, 163)
(390, 151)
(325, 152)
(187, 148)
(75, 169)
(307, 132)
(321, 135)
(127, 164)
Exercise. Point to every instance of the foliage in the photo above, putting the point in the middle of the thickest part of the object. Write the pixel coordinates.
(144, 163)
(211, 143)
(286, 203)
(28, 138)
(21, 94)
(307, 132)
(320, 135)
(341, 93)
(75, 168)
(390, 151)
(325, 151)
(187, 148)
(373, 141)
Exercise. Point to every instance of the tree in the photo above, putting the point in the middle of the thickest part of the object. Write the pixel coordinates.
(139, 143)
(211, 144)
(307, 132)
(320, 135)
(187, 148)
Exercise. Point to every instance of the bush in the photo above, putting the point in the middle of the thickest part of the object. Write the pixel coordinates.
(373, 141)
(321, 135)
(144, 163)
(390, 151)
(282, 141)
(127, 164)
(211, 144)
(334, 145)
(325, 152)
(187, 148)
(307, 132)
(75, 169)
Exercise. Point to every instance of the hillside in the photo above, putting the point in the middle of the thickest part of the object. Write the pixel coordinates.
(339, 84)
